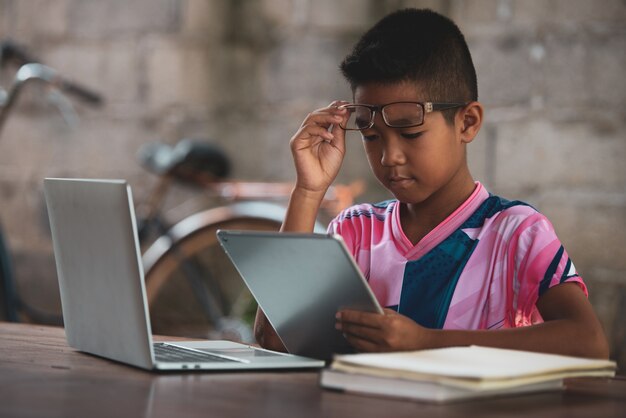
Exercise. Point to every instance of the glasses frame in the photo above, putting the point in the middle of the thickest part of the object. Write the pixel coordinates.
(427, 107)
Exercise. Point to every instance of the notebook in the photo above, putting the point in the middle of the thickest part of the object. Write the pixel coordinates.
(456, 373)
(301, 281)
(103, 295)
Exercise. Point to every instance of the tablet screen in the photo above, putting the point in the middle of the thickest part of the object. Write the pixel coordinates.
(301, 281)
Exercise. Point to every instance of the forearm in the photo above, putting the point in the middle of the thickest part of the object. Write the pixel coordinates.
(302, 211)
(555, 336)
(265, 334)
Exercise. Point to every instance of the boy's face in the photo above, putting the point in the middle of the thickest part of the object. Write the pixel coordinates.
(413, 163)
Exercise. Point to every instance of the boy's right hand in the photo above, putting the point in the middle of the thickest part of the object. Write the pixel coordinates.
(318, 148)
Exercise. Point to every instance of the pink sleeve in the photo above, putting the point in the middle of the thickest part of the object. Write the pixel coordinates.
(541, 263)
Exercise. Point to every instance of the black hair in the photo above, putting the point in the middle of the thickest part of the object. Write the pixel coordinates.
(416, 45)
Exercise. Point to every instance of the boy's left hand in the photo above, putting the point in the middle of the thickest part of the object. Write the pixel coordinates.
(372, 332)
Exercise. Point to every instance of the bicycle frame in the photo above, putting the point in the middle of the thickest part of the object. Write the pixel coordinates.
(33, 72)
(30, 71)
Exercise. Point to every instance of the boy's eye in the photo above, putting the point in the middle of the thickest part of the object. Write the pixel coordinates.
(412, 135)
(370, 137)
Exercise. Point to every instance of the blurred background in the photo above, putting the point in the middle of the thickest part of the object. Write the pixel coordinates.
(245, 73)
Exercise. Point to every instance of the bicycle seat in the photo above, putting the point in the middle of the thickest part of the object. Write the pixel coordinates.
(188, 161)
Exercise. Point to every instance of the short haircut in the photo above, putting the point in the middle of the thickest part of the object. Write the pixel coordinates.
(416, 45)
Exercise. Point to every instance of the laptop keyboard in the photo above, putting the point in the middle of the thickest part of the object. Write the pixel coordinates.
(173, 354)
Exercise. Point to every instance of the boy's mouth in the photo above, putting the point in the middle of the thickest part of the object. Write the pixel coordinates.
(400, 181)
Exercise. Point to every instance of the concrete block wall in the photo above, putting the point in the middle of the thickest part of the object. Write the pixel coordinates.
(245, 73)
(549, 75)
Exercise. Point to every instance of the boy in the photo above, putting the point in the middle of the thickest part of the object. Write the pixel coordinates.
(453, 264)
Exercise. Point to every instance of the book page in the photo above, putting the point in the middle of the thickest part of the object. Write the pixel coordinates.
(474, 362)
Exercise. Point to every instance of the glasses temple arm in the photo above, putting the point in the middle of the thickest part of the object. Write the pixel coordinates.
(429, 106)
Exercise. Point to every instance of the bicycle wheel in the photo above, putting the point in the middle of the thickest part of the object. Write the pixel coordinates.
(215, 303)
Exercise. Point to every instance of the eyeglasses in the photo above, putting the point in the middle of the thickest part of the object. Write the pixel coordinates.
(395, 115)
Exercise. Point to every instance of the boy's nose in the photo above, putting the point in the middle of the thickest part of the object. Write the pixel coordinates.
(393, 154)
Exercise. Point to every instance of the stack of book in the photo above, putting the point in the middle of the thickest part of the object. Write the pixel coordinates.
(457, 373)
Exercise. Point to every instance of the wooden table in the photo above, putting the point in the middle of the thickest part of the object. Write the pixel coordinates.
(40, 376)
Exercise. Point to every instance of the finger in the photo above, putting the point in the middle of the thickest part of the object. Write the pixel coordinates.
(340, 119)
(332, 109)
(337, 103)
(362, 345)
(324, 118)
(388, 311)
(339, 140)
(359, 317)
(312, 131)
(341, 112)
(362, 332)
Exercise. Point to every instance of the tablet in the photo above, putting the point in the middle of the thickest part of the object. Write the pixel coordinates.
(300, 281)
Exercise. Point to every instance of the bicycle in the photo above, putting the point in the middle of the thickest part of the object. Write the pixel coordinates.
(30, 70)
(192, 288)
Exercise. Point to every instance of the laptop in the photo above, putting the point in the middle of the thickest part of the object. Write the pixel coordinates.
(103, 296)
(301, 281)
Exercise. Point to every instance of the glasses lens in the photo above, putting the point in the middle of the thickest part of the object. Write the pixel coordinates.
(359, 117)
(403, 115)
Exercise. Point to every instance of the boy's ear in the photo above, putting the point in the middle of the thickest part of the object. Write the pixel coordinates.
(471, 118)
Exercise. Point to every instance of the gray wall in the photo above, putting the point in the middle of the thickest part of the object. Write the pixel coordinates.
(245, 73)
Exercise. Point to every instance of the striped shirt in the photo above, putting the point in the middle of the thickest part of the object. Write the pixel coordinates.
(484, 267)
